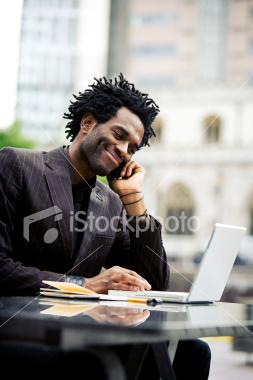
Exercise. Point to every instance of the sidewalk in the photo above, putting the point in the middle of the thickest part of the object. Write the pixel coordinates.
(228, 364)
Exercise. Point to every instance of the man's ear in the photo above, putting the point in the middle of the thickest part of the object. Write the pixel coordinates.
(87, 123)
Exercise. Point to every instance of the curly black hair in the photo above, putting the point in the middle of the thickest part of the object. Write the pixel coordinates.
(104, 99)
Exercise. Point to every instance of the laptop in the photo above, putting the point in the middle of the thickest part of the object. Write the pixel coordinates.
(213, 271)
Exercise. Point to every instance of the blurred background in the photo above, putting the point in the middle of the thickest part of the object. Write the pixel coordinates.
(194, 58)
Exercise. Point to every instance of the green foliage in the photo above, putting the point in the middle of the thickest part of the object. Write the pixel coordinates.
(102, 179)
(12, 137)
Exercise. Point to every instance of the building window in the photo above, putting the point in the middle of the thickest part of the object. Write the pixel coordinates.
(251, 221)
(251, 214)
(72, 35)
(212, 129)
(137, 21)
(154, 50)
(251, 46)
(156, 81)
(180, 219)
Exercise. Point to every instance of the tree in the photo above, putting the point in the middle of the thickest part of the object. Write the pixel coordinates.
(102, 179)
(12, 137)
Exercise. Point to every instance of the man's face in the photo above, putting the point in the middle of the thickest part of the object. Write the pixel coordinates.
(110, 145)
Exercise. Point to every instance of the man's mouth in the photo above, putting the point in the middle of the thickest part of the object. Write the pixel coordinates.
(114, 157)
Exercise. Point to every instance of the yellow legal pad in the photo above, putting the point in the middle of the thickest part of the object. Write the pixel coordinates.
(68, 287)
(70, 290)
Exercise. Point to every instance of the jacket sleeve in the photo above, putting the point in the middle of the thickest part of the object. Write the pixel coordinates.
(141, 249)
(15, 278)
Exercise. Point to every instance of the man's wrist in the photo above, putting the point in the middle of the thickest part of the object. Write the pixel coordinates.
(86, 283)
(78, 280)
(133, 201)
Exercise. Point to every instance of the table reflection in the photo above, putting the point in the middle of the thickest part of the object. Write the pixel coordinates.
(164, 317)
(127, 314)
(101, 313)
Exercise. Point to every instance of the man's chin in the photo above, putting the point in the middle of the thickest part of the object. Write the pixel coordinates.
(100, 168)
(102, 172)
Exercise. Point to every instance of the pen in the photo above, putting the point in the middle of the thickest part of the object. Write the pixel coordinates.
(147, 301)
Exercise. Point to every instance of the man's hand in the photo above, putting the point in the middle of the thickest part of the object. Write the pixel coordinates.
(129, 188)
(132, 178)
(116, 278)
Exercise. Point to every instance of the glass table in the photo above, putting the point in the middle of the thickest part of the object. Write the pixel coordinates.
(80, 325)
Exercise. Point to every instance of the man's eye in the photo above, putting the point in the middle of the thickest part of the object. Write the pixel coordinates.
(118, 135)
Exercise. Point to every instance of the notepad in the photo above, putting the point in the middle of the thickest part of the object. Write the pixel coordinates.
(70, 290)
(67, 289)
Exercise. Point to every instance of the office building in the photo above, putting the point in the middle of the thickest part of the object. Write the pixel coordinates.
(63, 45)
(195, 58)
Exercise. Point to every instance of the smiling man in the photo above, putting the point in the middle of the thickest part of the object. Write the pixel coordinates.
(58, 222)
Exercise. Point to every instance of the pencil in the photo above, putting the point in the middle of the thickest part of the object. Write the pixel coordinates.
(145, 300)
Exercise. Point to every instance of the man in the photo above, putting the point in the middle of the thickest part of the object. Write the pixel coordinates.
(43, 195)
(108, 125)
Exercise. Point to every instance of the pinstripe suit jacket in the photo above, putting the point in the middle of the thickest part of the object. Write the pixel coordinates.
(33, 181)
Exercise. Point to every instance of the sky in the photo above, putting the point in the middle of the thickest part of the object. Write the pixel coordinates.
(10, 22)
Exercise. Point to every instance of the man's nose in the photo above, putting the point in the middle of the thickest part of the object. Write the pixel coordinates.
(123, 149)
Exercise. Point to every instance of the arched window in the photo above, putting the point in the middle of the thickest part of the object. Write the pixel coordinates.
(212, 129)
(251, 214)
(157, 126)
(180, 211)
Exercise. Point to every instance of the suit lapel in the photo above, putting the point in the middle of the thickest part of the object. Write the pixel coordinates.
(60, 188)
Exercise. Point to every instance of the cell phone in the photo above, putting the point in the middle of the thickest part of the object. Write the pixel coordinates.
(116, 172)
